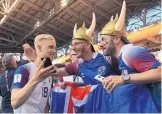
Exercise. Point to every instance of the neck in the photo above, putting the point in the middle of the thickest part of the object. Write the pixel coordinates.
(37, 61)
(88, 56)
(118, 49)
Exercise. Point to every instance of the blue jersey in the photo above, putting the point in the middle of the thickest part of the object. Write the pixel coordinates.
(6, 80)
(98, 65)
(136, 59)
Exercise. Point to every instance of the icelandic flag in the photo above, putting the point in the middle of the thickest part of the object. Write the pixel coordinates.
(70, 100)
(128, 98)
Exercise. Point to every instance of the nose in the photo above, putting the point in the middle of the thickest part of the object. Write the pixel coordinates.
(73, 47)
(101, 44)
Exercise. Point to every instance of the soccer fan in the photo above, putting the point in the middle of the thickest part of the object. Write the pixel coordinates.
(89, 65)
(74, 78)
(138, 67)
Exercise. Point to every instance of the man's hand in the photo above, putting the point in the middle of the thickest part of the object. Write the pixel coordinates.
(63, 85)
(42, 73)
(29, 52)
(111, 81)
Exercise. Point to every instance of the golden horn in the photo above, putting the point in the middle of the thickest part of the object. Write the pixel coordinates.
(116, 17)
(112, 18)
(83, 24)
(75, 29)
(91, 29)
(120, 23)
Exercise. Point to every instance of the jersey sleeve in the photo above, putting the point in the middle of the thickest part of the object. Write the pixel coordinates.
(140, 59)
(72, 68)
(21, 77)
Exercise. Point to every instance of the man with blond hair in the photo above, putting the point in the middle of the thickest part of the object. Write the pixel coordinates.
(32, 82)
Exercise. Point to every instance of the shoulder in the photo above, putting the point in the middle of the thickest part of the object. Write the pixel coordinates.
(98, 55)
(2, 75)
(133, 51)
(24, 68)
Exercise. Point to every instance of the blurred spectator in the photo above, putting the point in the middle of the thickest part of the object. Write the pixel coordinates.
(6, 79)
(1, 67)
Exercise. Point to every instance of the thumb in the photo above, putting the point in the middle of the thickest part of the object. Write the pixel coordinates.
(25, 52)
(42, 64)
(26, 45)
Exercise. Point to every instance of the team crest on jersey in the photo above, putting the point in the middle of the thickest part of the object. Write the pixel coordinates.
(17, 78)
(102, 70)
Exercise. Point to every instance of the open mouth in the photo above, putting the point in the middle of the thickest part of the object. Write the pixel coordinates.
(103, 49)
(51, 54)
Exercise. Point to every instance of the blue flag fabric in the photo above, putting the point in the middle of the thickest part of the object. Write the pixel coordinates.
(128, 98)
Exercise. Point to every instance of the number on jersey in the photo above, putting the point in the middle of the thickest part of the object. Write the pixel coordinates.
(44, 91)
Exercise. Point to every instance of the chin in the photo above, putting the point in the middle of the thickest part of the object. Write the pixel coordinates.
(51, 58)
(78, 56)
(105, 53)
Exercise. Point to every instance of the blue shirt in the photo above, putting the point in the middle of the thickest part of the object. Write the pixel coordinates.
(5, 86)
(6, 81)
(98, 65)
(136, 59)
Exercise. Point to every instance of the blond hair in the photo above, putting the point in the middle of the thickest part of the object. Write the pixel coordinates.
(44, 37)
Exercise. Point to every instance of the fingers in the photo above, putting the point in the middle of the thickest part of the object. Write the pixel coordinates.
(55, 74)
(42, 64)
(26, 45)
(112, 88)
(63, 85)
(53, 70)
(50, 68)
(109, 86)
(25, 52)
(106, 81)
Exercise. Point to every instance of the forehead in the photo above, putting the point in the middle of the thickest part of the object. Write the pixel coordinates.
(48, 42)
(78, 40)
(106, 37)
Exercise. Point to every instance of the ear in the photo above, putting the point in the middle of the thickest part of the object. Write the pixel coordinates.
(39, 48)
(89, 45)
(117, 39)
(12, 62)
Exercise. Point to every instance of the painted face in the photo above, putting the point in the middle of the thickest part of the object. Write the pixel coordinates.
(80, 47)
(48, 49)
(73, 56)
(107, 45)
